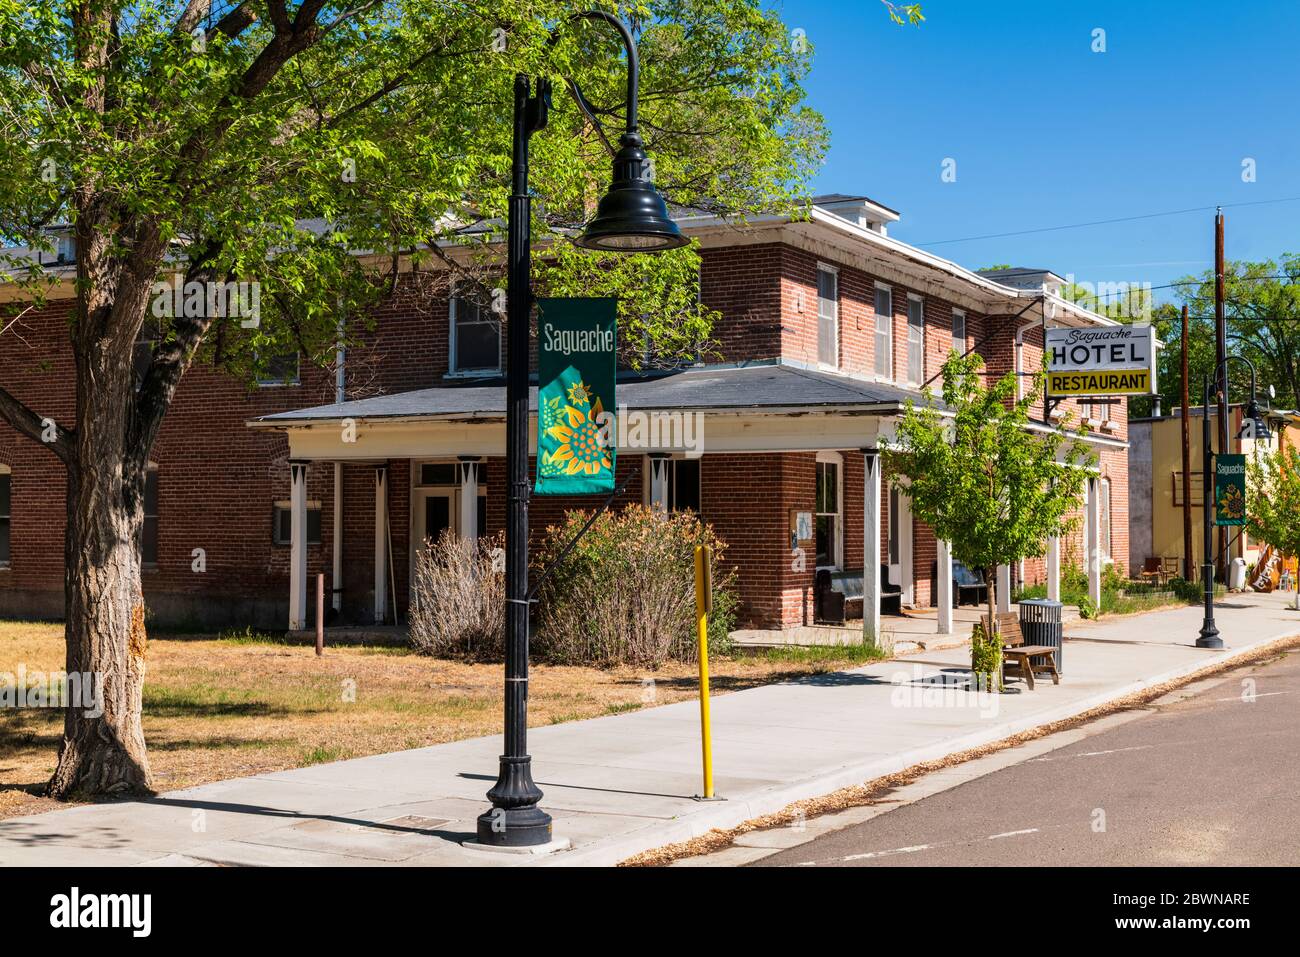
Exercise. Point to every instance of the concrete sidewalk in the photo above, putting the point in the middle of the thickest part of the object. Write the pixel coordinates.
(623, 784)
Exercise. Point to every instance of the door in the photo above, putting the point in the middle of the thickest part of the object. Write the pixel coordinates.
(435, 512)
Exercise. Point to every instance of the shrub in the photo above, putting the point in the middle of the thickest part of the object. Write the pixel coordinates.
(458, 599)
(985, 658)
(625, 595)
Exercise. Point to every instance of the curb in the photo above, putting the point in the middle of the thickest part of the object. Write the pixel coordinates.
(730, 814)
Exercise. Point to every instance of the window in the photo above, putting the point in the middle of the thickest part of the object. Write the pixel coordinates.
(915, 339)
(1105, 519)
(884, 332)
(894, 541)
(282, 523)
(5, 514)
(828, 316)
(149, 535)
(142, 353)
(1195, 484)
(684, 485)
(475, 337)
(959, 330)
(830, 508)
(439, 473)
(279, 369)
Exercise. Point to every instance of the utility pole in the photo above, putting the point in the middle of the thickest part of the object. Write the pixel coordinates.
(1187, 464)
(1220, 357)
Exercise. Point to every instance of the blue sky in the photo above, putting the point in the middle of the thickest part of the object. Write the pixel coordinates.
(1046, 132)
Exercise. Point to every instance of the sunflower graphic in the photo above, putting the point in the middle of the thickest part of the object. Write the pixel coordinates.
(577, 429)
(1233, 503)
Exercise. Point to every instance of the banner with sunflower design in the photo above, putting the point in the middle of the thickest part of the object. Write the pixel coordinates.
(576, 363)
(1230, 490)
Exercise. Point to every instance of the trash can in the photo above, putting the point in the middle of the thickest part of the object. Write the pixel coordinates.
(1040, 623)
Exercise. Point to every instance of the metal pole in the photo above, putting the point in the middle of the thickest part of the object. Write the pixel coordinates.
(515, 820)
(703, 599)
(1209, 637)
(1221, 370)
(1187, 463)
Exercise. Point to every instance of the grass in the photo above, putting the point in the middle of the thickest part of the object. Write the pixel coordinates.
(244, 702)
(1120, 597)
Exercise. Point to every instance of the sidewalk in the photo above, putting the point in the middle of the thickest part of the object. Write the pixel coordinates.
(623, 784)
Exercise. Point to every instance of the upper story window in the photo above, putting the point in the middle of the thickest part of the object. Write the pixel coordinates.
(828, 316)
(959, 330)
(5, 499)
(884, 331)
(475, 337)
(915, 339)
(282, 369)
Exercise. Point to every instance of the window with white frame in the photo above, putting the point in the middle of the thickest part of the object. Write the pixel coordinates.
(884, 332)
(828, 315)
(475, 337)
(830, 509)
(1104, 509)
(6, 500)
(915, 339)
(282, 523)
(282, 368)
(959, 330)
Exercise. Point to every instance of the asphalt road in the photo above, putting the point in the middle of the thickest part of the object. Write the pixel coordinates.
(1210, 780)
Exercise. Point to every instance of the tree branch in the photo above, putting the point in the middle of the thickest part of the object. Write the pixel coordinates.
(17, 414)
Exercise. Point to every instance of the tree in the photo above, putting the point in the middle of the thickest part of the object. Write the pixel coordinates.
(1273, 500)
(987, 484)
(263, 142)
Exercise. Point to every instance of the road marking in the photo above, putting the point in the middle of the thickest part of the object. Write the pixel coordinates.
(914, 848)
(1093, 754)
(1251, 697)
(1028, 830)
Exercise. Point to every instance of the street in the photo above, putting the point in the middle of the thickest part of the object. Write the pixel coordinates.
(1208, 780)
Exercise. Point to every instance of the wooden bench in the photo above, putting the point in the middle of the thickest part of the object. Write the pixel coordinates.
(833, 590)
(1014, 650)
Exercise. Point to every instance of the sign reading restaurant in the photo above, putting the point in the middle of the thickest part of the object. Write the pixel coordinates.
(1119, 360)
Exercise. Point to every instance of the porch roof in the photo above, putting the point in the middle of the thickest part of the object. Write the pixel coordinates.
(755, 388)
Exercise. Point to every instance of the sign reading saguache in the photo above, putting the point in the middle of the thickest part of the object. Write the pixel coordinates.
(576, 363)
(1229, 489)
(1117, 360)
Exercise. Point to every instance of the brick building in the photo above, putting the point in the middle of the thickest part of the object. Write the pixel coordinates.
(829, 326)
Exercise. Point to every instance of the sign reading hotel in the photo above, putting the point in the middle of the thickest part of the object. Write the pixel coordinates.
(1118, 360)
(576, 343)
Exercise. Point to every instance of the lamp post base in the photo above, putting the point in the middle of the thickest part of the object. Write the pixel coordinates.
(1209, 637)
(514, 820)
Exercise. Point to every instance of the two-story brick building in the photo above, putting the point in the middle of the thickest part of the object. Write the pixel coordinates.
(828, 327)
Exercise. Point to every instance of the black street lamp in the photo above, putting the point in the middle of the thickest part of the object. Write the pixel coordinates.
(631, 217)
(1209, 636)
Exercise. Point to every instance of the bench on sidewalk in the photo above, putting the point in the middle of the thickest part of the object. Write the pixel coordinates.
(833, 590)
(1015, 651)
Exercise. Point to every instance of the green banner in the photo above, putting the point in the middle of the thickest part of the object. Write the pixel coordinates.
(576, 362)
(1230, 490)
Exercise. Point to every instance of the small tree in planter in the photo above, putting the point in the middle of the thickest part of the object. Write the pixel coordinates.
(1273, 502)
(987, 484)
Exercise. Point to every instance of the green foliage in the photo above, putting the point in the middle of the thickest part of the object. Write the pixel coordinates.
(985, 658)
(1273, 498)
(625, 595)
(980, 477)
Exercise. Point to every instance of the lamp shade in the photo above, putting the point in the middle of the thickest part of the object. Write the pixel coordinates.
(1256, 425)
(632, 216)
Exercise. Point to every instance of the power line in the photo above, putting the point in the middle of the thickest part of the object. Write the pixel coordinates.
(1109, 222)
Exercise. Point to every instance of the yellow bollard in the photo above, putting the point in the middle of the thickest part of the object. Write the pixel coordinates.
(703, 603)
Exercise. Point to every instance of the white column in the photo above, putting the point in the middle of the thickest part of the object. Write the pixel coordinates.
(906, 554)
(469, 498)
(297, 546)
(1092, 547)
(871, 547)
(659, 481)
(381, 543)
(1054, 568)
(337, 538)
(943, 586)
(1004, 589)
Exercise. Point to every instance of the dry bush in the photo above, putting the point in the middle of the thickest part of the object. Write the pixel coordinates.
(458, 600)
(626, 594)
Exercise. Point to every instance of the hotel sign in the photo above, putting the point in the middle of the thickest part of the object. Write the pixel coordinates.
(1117, 360)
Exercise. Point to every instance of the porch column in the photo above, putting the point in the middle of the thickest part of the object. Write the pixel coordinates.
(659, 481)
(381, 543)
(943, 586)
(1054, 568)
(871, 547)
(1092, 547)
(297, 546)
(469, 497)
(1004, 589)
(337, 599)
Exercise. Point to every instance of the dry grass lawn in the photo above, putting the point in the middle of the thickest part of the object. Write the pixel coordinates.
(219, 708)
